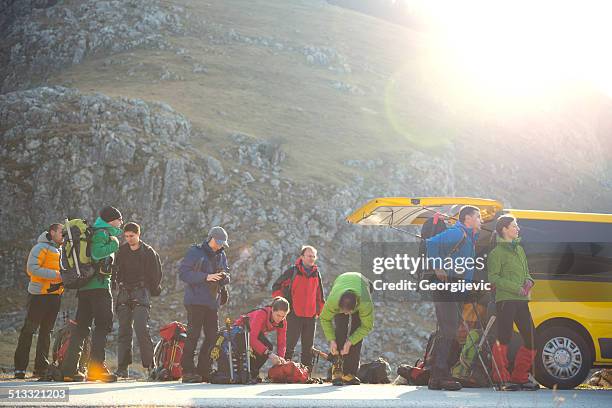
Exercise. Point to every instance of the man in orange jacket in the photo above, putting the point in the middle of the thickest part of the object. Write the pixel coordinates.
(45, 290)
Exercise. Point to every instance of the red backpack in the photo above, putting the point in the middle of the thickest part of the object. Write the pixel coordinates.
(168, 352)
(290, 372)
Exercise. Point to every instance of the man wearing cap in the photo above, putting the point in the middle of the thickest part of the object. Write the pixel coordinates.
(204, 270)
(95, 302)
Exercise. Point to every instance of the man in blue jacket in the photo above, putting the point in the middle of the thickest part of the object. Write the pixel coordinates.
(204, 271)
(458, 243)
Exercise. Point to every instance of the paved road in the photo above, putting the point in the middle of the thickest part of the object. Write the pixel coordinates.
(319, 396)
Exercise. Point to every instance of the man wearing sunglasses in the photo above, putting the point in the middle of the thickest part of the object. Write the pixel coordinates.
(204, 270)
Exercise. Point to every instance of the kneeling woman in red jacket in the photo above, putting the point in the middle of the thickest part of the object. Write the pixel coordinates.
(262, 321)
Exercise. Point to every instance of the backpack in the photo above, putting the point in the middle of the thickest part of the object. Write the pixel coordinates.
(415, 375)
(77, 245)
(61, 342)
(231, 355)
(168, 352)
(432, 227)
(376, 372)
(468, 370)
(290, 373)
(420, 372)
(283, 287)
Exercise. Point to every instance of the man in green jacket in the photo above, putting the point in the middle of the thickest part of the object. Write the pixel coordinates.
(350, 297)
(95, 302)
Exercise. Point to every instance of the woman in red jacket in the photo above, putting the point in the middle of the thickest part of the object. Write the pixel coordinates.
(262, 321)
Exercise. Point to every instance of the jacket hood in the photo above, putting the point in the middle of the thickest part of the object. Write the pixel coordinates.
(42, 239)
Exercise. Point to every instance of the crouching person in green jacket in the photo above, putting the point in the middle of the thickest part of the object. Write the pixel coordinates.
(350, 298)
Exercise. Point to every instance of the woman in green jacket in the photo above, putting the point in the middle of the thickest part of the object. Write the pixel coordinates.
(509, 273)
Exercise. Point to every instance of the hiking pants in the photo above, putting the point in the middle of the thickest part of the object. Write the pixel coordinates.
(449, 318)
(300, 326)
(199, 319)
(41, 315)
(510, 312)
(94, 305)
(258, 360)
(133, 307)
(351, 361)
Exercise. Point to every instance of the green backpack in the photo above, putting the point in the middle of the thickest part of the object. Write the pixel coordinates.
(469, 370)
(78, 267)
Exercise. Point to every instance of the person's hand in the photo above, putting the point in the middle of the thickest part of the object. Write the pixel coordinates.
(214, 277)
(441, 274)
(346, 348)
(333, 347)
(282, 360)
(276, 360)
(526, 288)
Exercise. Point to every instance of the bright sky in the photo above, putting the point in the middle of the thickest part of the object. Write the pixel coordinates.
(522, 49)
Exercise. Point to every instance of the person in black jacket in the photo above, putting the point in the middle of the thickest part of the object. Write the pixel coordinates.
(138, 277)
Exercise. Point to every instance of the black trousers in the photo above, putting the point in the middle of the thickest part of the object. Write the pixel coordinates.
(449, 318)
(510, 312)
(41, 315)
(300, 326)
(133, 306)
(199, 319)
(351, 361)
(94, 306)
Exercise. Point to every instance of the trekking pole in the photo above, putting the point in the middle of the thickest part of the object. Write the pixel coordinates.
(247, 343)
(73, 249)
(467, 330)
(228, 323)
(312, 364)
(494, 363)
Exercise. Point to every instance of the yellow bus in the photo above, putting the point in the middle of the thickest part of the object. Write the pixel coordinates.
(570, 257)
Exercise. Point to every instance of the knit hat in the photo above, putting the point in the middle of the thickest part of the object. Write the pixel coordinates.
(109, 214)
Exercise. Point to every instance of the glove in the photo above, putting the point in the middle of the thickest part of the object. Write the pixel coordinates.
(526, 288)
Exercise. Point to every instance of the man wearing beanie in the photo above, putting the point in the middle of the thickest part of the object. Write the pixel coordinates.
(95, 303)
(204, 271)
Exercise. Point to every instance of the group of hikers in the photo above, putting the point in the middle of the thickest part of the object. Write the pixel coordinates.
(346, 315)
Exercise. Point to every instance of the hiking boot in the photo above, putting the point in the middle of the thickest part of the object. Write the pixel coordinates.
(122, 372)
(337, 375)
(350, 379)
(510, 387)
(99, 372)
(76, 377)
(448, 384)
(20, 374)
(530, 386)
(191, 378)
(337, 381)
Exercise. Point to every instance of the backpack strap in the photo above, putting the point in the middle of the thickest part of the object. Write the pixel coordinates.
(459, 244)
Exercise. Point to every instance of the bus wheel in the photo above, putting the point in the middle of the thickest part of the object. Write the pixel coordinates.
(563, 359)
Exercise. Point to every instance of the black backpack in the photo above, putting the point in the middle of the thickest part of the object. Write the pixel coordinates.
(376, 372)
(432, 227)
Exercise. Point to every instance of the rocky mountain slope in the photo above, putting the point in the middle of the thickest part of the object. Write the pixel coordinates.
(274, 119)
